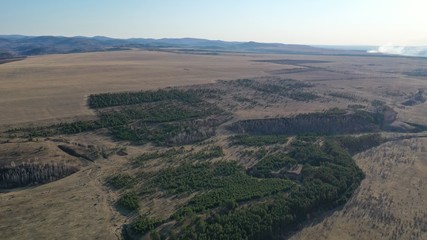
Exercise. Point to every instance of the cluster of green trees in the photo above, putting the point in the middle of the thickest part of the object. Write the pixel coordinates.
(356, 144)
(80, 126)
(356, 106)
(234, 190)
(129, 201)
(169, 133)
(121, 181)
(273, 165)
(155, 113)
(264, 220)
(258, 203)
(163, 122)
(244, 99)
(164, 134)
(220, 184)
(168, 154)
(166, 123)
(301, 96)
(206, 93)
(206, 153)
(203, 154)
(258, 140)
(165, 111)
(72, 127)
(416, 99)
(377, 103)
(287, 84)
(325, 123)
(158, 134)
(328, 181)
(283, 87)
(129, 98)
(192, 178)
(144, 224)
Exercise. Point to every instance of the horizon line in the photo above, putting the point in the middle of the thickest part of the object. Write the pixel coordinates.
(231, 41)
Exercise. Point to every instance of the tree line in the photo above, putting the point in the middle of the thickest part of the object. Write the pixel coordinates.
(27, 174)
(312, 124)
(104, 100)
(284, 87)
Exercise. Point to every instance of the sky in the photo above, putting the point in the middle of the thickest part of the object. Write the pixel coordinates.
(314, 22)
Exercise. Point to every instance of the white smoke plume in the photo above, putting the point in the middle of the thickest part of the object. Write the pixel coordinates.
(415, 51)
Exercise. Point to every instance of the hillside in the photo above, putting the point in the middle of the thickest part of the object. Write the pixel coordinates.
(41, 45)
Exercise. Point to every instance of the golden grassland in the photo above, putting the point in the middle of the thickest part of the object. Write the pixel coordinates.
(55, 87)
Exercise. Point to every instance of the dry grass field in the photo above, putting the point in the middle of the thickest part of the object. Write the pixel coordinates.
(55, 87)
(389, 204)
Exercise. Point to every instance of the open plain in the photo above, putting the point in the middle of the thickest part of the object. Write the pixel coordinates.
(55, 87)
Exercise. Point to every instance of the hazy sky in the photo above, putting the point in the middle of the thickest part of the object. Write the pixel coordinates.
(362, 22)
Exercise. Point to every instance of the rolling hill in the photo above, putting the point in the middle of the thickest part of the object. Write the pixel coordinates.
(18, 45)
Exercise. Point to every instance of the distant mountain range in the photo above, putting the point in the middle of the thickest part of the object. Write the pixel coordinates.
(19, 45)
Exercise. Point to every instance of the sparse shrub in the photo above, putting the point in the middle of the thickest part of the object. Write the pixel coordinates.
(129, 201)
(121, 181)
(258, 140)
(144, 224)
(377, 103)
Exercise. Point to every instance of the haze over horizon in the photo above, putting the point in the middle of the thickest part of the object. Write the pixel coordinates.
(326, 22)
